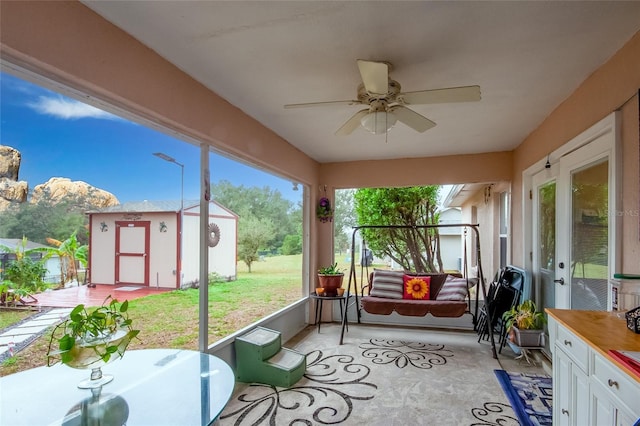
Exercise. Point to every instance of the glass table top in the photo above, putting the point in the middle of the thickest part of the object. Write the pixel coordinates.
(150, 387)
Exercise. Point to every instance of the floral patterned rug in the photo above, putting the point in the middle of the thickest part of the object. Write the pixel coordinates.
(378, 381)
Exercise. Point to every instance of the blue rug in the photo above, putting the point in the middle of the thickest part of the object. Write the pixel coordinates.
(530, 396)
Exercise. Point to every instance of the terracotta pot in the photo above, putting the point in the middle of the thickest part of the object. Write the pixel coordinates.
(330, 283)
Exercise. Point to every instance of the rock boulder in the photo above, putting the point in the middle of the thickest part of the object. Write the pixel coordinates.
(57, 189)
(11, 190)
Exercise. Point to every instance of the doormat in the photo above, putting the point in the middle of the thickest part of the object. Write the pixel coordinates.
(530, 396)
(128, 288)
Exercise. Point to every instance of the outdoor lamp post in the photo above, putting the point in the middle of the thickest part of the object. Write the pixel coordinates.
(165, 157)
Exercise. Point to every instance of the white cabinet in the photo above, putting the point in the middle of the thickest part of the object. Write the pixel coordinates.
(588, 388)
(608, 410)
(615, 397)
(570, 380)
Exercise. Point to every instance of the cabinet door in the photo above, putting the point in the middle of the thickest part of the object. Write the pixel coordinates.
(602, 410)
(624, 419)
(606, 409)
(570, 391)
(580, 396)
(561, 387)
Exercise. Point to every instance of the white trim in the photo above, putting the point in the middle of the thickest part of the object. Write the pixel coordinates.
(609, 124)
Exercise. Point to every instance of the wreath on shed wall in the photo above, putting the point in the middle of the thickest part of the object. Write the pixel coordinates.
(214, 235)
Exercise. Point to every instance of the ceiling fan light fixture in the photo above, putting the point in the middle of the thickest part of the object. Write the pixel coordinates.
(378, 122)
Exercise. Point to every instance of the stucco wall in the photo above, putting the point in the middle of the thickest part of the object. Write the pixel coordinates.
(614, 86)
(453, 169)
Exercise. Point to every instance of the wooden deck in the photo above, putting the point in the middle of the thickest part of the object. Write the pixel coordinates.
(70, 297)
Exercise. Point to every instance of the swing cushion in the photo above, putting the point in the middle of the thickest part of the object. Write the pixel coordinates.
(387, 284)
(416, 308)
(416, 288)
(453, 289)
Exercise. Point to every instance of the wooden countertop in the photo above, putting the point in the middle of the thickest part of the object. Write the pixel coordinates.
(601, 330)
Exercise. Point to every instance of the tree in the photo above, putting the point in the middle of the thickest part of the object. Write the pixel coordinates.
(253, 234)
(414, 249)
(344, 219)
(262, 203)
(69, 252)
(45, 219)
(292, 244)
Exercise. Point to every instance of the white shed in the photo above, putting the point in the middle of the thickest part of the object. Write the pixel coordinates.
(138, 243)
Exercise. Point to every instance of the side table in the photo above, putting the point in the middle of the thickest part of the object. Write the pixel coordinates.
(342, 300)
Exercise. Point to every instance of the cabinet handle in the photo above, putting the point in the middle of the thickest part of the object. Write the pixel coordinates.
(613, 384)
(565, 412)
(567, 342)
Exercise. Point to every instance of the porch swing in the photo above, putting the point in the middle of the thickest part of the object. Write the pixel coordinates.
(387, 300)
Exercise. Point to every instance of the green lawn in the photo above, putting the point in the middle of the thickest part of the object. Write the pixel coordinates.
(171, 319)
(8, 317)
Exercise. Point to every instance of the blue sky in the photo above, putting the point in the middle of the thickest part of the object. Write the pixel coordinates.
(61, 137)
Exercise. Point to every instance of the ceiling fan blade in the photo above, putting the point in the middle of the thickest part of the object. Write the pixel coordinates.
(438, 96)
(351, 124)
(327, 103)
(412, 119)
(375, 76)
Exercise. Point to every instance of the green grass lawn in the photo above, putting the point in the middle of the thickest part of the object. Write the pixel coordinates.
(8, 317)
(170, 320)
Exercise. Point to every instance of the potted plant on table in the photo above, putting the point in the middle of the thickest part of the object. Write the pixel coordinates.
(330, 279)
(92, 338)
(525, 325)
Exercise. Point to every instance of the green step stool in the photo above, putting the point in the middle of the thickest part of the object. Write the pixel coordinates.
(260, 358)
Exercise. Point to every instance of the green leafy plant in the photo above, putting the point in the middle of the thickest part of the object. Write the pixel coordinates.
(92, 329)
(525, 316)
(324, 212)
(24, 271)
(331, 270)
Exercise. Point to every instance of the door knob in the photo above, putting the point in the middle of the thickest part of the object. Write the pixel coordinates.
(560, 281)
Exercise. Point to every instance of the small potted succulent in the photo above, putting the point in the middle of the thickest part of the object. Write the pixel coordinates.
(525, 324)
(90, 338)
(330, 279)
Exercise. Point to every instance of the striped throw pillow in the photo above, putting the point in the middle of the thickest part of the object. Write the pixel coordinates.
(387, 284)
(453, 289)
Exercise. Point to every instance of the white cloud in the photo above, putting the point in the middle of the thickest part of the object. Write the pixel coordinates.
(68, 109)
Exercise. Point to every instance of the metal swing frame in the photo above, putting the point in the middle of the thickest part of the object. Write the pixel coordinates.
(353, 299)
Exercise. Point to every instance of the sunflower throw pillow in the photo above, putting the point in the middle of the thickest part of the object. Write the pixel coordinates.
(416, 288)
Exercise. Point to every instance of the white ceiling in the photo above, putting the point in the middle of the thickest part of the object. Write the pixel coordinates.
(527, 56)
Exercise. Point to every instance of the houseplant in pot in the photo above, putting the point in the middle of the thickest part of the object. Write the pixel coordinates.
(330, 279)
(91, 338)
(525, 324)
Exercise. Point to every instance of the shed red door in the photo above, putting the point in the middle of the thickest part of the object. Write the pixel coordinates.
(132, 252)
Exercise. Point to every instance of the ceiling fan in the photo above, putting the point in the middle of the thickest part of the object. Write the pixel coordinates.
(387, 104)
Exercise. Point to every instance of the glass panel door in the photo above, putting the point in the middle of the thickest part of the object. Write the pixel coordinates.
(584, 258)
(590, 236)
(544, 252)
(546, 248)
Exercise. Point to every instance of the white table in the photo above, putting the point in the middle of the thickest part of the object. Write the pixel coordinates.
(151, 387)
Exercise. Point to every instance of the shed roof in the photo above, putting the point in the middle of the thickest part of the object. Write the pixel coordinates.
(147, 206)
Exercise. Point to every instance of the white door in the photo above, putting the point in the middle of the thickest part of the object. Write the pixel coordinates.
(543, 195)
(584, 253)
(132, 249)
